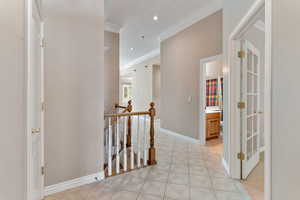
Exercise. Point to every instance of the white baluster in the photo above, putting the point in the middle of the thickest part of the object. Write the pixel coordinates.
(124, 144)
(145, 140)
(131, 149)
(109, 148)
(138, 143)
(118, 147)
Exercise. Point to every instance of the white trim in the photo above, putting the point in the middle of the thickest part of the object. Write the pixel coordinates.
(260, 25)
(110, 27)
(201, 14)
(233, 133)
(141, 59)
(187, 138)
(225, 165)
(52, 189)
(202, 86)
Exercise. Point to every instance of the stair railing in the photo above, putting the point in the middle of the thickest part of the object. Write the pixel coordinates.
(125, 153)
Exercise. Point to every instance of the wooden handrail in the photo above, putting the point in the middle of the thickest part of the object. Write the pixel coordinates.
(127, 108)
(127, 114)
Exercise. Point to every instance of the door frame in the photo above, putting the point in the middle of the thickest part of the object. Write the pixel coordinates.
(28, 61)
(202, 85)
(234, 90)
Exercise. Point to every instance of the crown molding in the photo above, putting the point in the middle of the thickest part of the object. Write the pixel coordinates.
(260, 25)
(143, 58)
(192, 19)
(115, 28)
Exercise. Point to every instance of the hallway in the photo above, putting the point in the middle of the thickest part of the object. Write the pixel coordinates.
(185, 171)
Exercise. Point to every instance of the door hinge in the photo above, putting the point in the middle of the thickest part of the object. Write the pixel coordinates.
(43, 170)
(241, 156)
(241, 54)
(43, 106)
(241, 105)
(43, 43)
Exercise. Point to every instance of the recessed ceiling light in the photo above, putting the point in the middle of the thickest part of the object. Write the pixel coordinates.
(131, 49)
(155, 18)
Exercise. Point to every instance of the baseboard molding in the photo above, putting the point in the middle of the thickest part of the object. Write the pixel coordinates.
(193, 140)
(52, 189)
(225, 165)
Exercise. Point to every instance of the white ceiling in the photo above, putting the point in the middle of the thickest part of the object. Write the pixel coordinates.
(135, 18)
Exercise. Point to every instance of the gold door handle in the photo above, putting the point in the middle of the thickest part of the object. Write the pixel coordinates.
(260, 112)
(36, 131)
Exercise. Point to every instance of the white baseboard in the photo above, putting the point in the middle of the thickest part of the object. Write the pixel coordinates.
(52, 189)
(225, 165)
(193, 140)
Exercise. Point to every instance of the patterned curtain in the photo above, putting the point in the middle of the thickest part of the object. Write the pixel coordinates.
(212, 92)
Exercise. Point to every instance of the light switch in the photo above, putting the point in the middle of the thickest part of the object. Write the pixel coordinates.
(190, 99)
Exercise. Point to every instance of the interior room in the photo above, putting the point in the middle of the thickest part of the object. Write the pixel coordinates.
(212, 95)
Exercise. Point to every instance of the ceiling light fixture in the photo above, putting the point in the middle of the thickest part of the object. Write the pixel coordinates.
(131, 49)
(155, 18)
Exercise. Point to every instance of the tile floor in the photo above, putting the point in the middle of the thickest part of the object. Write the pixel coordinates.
(185, 171)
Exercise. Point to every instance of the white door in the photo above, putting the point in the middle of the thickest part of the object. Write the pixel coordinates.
(35, 110)
(250, 118)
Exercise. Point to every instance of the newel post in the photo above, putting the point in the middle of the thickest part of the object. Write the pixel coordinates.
(152, 156)
(129, 109)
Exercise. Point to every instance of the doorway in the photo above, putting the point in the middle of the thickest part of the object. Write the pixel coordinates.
(35, 102)
(211, 101)
(250, 99)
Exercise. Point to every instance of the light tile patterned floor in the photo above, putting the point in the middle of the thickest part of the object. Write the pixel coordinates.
(185, 171)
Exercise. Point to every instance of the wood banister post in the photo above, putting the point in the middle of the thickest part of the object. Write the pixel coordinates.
(129, 109)
(152, 153)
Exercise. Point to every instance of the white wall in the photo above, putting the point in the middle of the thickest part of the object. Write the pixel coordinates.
(214, 69)
(74, 89)
(142, 78)
(12, 100)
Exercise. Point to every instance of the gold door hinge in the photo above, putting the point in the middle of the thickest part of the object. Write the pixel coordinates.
(241, 105)
(241, 156)
(43, 43)
(241, 54)
(43, 170)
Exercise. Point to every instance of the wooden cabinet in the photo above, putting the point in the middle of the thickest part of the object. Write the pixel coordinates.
(213, 125)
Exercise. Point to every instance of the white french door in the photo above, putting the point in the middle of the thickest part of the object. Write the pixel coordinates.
(250, 116)
(35, 104)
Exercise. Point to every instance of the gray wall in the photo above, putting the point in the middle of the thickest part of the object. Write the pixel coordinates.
(74, 89)
(111, 71)
(180, 73)
(12, 101)
(285, 90)
(156, 83)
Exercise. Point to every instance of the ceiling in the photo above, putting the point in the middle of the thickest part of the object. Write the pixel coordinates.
(135, 18)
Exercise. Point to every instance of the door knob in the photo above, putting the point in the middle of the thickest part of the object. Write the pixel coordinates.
(260, 112)
(35, 131)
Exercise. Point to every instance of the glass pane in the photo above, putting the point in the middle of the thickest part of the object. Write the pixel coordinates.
(249, 127)
(249, 148)
(255, 64)
(255, 123)
(255, 144)
(255, 104)
(249, 104)
(249, 60)
(255, 79)
(249, 83)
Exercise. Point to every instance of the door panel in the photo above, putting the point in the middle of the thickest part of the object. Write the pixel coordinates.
(250, 94)
(35, 98)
